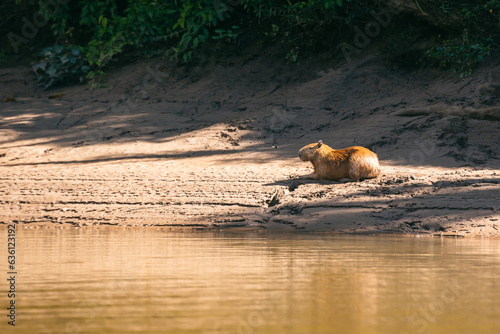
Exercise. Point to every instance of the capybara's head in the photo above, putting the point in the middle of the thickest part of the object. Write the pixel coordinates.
(307, 152)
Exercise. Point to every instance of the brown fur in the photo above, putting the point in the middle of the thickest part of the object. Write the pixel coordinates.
(355, 162)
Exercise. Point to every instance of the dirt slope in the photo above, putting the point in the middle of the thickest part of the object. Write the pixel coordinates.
(215, 144)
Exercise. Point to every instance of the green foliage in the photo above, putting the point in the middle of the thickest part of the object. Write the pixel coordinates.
(300, 27)
(229, 34)
(141, 26)
(60, 65)
(148, 23)
(272, 8)
(105, 30)
(479, 36)
(460, 54)
(195, 20)
(102, 30)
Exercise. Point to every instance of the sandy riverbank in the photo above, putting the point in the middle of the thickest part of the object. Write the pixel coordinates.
(215, 146)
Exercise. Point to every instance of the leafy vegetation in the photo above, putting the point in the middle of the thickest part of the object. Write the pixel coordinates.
(460, 54)
(61, 65)
(464, 31)
(300, 27)
(478, 34)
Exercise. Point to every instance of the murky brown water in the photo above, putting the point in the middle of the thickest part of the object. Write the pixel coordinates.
(137, 281)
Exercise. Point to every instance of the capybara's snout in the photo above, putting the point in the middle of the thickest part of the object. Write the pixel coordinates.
(301, 155)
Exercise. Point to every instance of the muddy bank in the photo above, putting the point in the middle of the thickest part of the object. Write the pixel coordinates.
(215, 146)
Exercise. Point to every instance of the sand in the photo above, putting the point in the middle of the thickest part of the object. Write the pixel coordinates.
(214, 145)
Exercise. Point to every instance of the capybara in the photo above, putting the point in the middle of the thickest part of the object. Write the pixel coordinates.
(355, 163)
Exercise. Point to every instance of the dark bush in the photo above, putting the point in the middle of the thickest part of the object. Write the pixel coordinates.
(61, 65)
(101, 30)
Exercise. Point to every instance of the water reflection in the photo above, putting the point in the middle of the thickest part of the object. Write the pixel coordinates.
(156, 281)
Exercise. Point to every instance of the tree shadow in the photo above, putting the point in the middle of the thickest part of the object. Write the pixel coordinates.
(129, 157)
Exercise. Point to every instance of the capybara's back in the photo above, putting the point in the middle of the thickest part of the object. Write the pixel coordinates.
(355, 162)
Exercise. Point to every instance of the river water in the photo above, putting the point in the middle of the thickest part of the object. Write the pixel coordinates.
(157, 281)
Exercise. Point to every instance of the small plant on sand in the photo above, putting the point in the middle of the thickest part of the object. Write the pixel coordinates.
(60, 65)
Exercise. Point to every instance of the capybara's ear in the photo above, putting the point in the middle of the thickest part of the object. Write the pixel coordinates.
(320, 143)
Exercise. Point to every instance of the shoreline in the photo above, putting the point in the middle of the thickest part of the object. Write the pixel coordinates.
(458, 202)
(260, 230)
